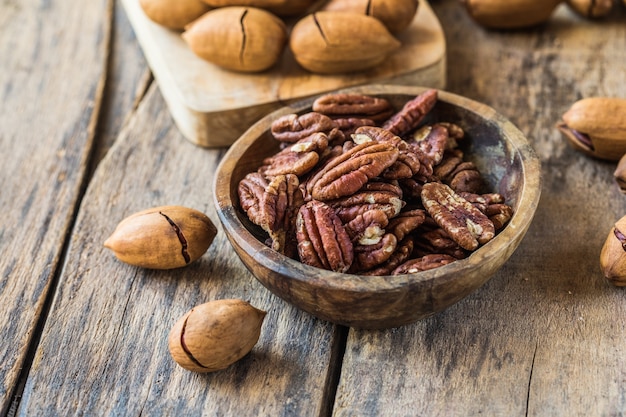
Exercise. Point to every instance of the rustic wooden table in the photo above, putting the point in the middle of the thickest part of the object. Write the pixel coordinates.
(87, 139)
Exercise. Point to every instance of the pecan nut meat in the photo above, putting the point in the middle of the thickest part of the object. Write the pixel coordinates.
(297, 159)
(403, 251)
(336, 105)
(412, 113)
(292, 128)
(367, 228)
(424, 263)
(463, 222)
(347, 173)
(272, 205)
(322, 239)
(350, 207)
(369, 256)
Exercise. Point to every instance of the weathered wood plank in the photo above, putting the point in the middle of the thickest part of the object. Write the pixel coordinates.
(52, 57)
(128, 77)
(104, 348)
(546, 336)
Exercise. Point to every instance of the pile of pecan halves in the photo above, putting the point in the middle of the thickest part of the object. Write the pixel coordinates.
(360, 188)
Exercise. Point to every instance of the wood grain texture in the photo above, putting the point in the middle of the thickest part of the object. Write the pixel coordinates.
(104, 349)
(50, 86)
(212, 107)
(547, 335)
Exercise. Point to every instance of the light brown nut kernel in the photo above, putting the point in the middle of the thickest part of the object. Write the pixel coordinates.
(613, 254)
(510, 14)
(163, 237)
(242, 39)
(597, 127)
(173, 14)
(340, 42)
(214, 335)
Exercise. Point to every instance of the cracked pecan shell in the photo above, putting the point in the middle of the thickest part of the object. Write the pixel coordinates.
(322, 239)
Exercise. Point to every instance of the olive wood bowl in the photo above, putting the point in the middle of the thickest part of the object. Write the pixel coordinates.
(504, 158)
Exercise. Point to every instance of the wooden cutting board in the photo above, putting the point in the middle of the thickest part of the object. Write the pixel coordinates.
(212, 107)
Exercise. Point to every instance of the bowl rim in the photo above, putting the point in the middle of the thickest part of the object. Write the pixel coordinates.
(355, 283)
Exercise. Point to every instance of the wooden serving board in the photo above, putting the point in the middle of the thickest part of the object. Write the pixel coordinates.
(212, 107)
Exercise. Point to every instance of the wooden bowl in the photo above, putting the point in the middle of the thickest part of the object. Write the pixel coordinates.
(504, 158)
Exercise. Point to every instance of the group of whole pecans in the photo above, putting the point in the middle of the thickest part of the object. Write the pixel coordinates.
(328, 37)
(360, 188)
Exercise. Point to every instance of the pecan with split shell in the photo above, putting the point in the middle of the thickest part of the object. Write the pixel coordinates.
(348, 172)
(341, 105)
(463, 222)
(292, 128)
(412, 113)
(322, 239)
